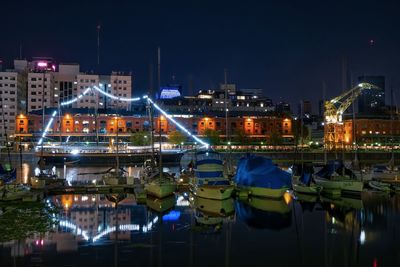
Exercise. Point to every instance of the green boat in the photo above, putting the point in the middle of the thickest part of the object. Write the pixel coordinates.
(334, 176)
(160, 188)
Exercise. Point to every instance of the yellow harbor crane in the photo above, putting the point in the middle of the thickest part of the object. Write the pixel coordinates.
(334, 109)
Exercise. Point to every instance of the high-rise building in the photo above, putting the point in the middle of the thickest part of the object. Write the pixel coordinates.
(12, 97)
(371, 101)
(283, 108)
(306, 107)
(92, 98)
(65, 82)
(121, 86)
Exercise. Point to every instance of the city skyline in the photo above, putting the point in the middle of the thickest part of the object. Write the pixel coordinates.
(276, 47)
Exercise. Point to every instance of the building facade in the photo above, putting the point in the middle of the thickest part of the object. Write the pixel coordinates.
(83, 123)
(370, 102)
(13, 93)
(367, 132)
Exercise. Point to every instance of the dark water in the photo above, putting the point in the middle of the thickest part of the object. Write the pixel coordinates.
(92, 230)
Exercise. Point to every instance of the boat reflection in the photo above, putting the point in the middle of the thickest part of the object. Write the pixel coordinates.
(161, 205)
(265, 213)
(213, 207)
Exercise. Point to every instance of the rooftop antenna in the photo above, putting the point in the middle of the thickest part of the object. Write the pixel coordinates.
(98, 44)
(20, 51)
(158, 68)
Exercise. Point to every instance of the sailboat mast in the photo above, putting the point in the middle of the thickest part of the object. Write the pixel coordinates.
(324, 119)
(226, 121)
(43, 111)
(117, 156)
(354, 134)
(5, 132)
(301, 132)
(160, 156)
(391, 126)
(151, 117)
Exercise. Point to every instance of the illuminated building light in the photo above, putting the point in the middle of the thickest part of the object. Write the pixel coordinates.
(47, 128)
(69, 102)
(169, 117)
(42, 64)
(115, 97)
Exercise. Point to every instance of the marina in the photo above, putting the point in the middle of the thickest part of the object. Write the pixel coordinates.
(199, 134)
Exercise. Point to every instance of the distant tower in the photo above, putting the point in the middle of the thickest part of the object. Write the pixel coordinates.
(190, 85)
(150, 92)
(344, 75)
(98, 45)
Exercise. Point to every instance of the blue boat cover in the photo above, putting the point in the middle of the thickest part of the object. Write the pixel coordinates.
(258, 171)
(262, 219)
(305, 172)
(332, 167)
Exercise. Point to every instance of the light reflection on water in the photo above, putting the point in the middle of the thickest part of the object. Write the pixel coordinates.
(315, 232)
(76, 172)
(308, 231)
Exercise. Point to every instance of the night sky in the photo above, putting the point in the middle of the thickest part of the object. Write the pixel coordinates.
(288, 48)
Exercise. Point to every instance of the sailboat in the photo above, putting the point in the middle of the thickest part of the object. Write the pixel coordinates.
(258, 176)
(335, 178)
(302, 173)
(164, 185)
(209, 180)
(387, 171)
(117, 175)
(304, 184)
(43, 177)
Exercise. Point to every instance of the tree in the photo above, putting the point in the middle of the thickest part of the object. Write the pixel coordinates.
(176, 137)
(140, 139)
(297, 133)
(212, 136)
(275, 138)
(240, 137)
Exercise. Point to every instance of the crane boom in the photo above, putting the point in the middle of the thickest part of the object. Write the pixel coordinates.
(334, 110)
(335, 107)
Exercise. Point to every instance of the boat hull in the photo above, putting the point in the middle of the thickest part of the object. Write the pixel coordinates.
(261, 191)
(212, 192)
(160, 205)
(42, 183)
(216, 207)
(304, 189)
(345, 185)
(160, 190)
(384, 187)
(390, 175)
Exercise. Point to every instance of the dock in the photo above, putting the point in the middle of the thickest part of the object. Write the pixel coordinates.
(94, 189)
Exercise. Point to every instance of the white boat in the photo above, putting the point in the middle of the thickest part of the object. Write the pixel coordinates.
(46, 178)
(114, 177)
(380, 186)
(385, 172)
(160, 188)
(209, 180)
(14, 192)
(335, 177)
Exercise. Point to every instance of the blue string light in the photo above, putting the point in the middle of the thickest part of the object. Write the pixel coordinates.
(168, 116)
